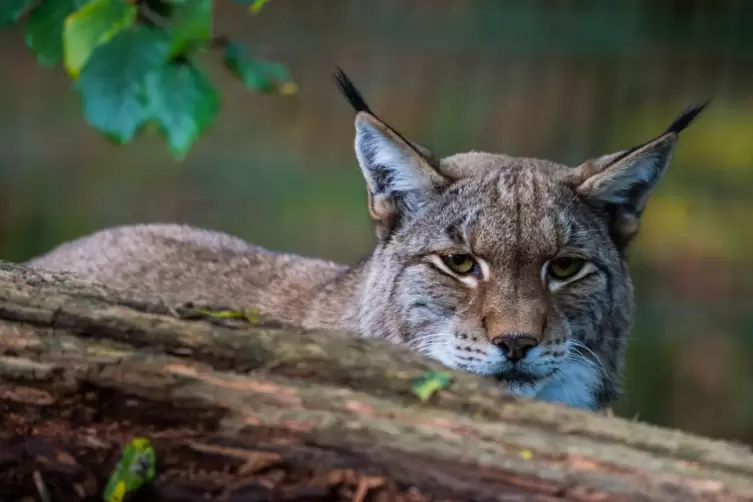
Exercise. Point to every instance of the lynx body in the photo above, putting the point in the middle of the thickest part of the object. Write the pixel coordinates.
(513, 268)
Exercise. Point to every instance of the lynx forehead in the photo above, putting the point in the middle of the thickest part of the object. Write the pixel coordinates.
(512, 268)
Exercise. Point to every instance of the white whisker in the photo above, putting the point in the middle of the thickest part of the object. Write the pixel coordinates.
(596, 362)
(425, 341)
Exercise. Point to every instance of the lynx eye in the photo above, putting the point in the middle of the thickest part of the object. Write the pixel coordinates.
(565, 267)
(461, 264)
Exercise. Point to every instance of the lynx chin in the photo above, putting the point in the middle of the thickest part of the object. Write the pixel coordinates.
(513, 268)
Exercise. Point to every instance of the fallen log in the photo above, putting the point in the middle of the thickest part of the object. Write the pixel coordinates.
(242, 410)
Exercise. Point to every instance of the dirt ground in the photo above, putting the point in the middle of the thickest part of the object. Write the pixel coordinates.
(70, 470)
(65, 449)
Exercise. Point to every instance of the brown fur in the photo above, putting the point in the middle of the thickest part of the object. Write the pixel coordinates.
(513, 216)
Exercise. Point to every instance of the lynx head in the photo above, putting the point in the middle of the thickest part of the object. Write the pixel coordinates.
(509, 267)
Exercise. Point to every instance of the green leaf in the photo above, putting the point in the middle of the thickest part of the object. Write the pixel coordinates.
(257, 74)
(112, 81)
(183, 101)
(91, 26)
(430, 382)
(192, 25)
(256, 6)
(44, 29)
(251, 315)
(136, 467)
(12, 10)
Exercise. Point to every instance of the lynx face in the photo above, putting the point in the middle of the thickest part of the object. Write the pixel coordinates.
(507, 267)
(506, 273)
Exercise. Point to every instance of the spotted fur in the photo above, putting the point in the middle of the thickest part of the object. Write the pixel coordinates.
(513, 216)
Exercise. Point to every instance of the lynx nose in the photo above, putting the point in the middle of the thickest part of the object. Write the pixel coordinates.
(515, 345)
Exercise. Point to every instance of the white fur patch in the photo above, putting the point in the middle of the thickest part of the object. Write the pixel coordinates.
(440, 347)
(575, 384)
(377, 152)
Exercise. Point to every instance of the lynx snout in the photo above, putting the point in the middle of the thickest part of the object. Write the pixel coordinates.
(515, 345)
(516, 330)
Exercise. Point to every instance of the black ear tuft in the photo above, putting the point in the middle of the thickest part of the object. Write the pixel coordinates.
(681, 122)
(685, 118)
(354, 97)
(348, 89)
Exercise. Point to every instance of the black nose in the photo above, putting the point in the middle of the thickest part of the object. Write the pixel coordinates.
(515, 345)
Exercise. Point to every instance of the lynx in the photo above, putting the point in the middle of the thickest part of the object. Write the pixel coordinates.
(512, 268)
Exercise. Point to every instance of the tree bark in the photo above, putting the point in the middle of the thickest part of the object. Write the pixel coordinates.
(261, 411)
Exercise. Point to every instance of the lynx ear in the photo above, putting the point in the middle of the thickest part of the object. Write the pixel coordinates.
(624, 181)
(400, 176)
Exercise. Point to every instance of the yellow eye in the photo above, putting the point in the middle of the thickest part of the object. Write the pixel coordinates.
(565, 267)
(461, 264)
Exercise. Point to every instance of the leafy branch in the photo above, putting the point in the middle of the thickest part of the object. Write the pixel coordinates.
(133, 61)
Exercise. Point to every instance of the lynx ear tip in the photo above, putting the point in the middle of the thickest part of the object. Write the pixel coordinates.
(686, 117)
(349, 90)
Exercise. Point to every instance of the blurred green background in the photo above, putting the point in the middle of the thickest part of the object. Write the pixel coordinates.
(562, 79)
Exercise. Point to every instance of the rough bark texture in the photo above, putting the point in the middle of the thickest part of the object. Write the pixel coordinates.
(262, 412)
